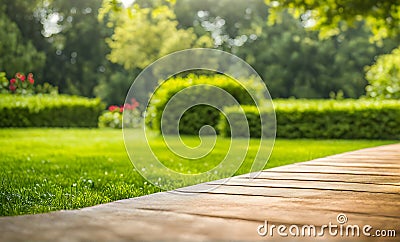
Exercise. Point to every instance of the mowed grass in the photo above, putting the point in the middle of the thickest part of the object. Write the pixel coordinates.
(44, 170)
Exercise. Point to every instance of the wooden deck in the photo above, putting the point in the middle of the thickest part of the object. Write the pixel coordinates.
(364, 185)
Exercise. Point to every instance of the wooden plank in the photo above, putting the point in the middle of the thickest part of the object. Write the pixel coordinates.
(334, 161)
(363, 156)
(318, 185)
(383, 180)
(354, 164)
(241, 207)
(338, 170)
(114, 224)
(283, 192)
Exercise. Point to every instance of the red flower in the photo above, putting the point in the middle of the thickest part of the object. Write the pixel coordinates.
(20, 76)
(121, 109)
(135, 104)
(127, 106)
(13, 81)
(30, 78)
(12, 87)
(113, 108)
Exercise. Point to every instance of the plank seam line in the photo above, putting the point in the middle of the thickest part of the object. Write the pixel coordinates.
(332, 173)
(339, 162)
(313, 197)
(353, 166)
(296, 179)
(356, 157)
(294, 199)
(306, 188)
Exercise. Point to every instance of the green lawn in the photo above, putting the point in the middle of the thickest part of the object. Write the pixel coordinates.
(51, 169)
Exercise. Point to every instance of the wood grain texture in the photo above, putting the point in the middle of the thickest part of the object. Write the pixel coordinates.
(364, 185)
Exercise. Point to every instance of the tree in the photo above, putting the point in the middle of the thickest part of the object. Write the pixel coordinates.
(71, 38)
(16, 53)
(27, 15)
(382, 16)
(231, 23)
(294, 62)
(77, 57)
(113, 90)
(331, 17)
(384, 77)
(142, 35)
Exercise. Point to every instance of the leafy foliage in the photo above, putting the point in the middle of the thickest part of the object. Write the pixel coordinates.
(112, 90)
(325, 119)
(4, 83)
(49, 111)
(142, 35)
(76, 60)
(24, 85)
(384, 77)
(230, 23)
(381, 16)
(127, 116)
(20, 84)
(294, 62)
(16, 52)
(197, 116)
(67, 38)
(27, 15)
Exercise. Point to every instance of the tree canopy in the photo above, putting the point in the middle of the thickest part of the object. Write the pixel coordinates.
(330, 16)
(17, 53)
(142, 35)
(97, 47)
(384, 77)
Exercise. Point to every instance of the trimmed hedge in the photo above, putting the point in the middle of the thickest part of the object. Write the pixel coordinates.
(327, 119)
(49, 111)
(196, 117)
(234, 115)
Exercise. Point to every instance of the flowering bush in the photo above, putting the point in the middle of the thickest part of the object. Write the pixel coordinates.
(21, 84)
(112, 118)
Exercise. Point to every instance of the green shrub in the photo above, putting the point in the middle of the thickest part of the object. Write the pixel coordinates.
(22, 84)
(49, 111)
(234, 114)
(110, 120)
(117, 117)
(197, 116)
(4, 83)
(328, 119)
(384, 77)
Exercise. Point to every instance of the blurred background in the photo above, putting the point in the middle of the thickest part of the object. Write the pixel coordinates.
(95, 48)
